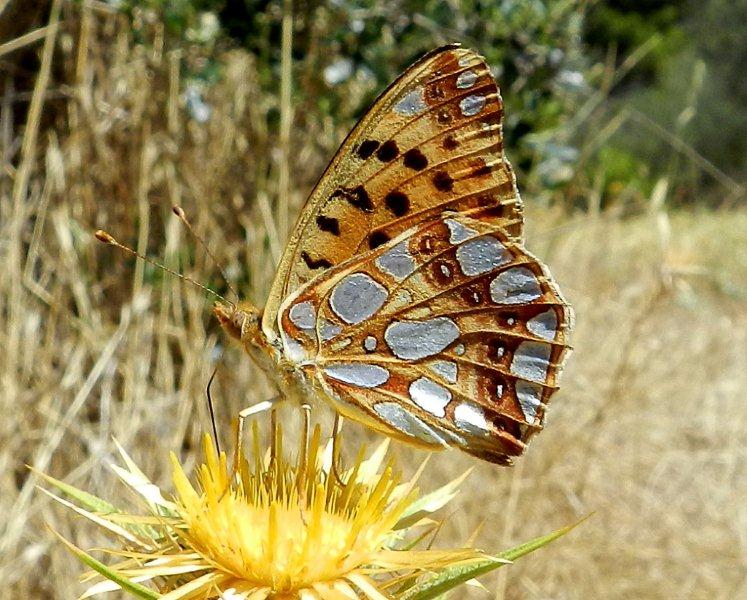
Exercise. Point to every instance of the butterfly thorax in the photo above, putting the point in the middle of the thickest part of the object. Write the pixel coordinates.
(243, 323)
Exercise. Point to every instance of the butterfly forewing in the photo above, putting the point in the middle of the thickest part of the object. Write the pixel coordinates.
(450, 334)
(431, 142)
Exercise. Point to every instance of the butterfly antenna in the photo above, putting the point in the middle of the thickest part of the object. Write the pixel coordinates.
(109, 239)
(179, 212)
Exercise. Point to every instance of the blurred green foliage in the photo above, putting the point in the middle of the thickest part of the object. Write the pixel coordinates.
(644, 72)
(686, 96)
(354, 49)
(626, 25)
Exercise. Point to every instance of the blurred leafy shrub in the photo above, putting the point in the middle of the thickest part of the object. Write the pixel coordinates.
(346, 52)
(682, 106)
(626, 25)
(605, 98)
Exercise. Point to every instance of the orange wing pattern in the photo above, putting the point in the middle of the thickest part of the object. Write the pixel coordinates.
(450, 334)
(431, 142)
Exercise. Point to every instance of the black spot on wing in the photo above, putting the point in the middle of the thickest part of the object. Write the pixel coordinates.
(435, 91)
(358, 197)
(376, 239)
(328, 224)
(415, 160)
(443, 181)
(450, 143)
(398, 203)
(482, 171)
(388, 151)
(444, 116)
(366, 149)
(318, 263)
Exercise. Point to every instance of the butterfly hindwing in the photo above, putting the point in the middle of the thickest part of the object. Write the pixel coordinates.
(431, 142)
(450, 334)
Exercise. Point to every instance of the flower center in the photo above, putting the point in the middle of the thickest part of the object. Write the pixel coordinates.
(276, 545)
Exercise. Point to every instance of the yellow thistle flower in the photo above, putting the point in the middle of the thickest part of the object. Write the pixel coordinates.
(281, 530)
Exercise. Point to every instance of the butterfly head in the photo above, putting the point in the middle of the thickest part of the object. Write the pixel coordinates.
(240, 321)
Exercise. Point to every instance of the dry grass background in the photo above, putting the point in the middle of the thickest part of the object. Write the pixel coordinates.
(647, 432)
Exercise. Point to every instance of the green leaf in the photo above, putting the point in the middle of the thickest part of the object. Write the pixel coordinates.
(96, 505)
(88, 501)
(430, 503)
(532, 545)
(454, 576)
(450, 578)
(137, 590)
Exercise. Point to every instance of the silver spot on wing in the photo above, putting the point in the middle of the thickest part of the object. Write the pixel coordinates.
(292, 349)
(404, 421)
(329, 330)
(417, 339)
(458, 232)
(544, 325)
(466, 80)
(471, 105)
(303, 315)
(531, 361)
(471, 417)
(446, 369)
(515, 286)
(530, 396)
(397, 261)
(411, 104)
(357, 297)
(430, 396)
(369, 343)
(358, 374)
(481, 255)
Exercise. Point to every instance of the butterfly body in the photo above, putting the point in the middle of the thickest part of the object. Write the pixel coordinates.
(405, 297)
(242, 322)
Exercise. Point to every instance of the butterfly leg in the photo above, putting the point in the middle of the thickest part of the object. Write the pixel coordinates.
(250, 411)
(273, 435)
(336, 431)
(302, 481)
(303, 459)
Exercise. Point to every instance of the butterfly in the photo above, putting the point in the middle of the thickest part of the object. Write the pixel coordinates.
(405, 297)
